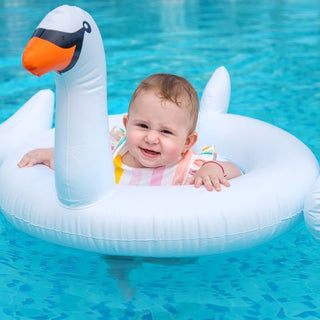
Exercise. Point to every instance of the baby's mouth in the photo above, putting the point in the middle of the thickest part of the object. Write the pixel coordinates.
(149, 153)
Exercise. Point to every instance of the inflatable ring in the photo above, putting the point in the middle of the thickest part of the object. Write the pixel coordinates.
(78, 205)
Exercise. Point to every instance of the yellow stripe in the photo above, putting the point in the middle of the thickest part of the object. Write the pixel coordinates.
(118, 171)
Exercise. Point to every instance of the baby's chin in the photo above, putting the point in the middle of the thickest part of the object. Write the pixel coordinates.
(159, 164)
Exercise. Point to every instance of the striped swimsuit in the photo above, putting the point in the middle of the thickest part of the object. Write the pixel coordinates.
(175, 174)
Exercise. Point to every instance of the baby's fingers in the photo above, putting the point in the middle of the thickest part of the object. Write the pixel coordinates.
(29, 159)
(24, 162)
(51, 164)
(225, 182)
(210, 182)
(198, 181)
(215, 183)
(206, 181)
(190, 180)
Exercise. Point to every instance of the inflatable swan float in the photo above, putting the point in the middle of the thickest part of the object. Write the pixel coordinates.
(79, 205)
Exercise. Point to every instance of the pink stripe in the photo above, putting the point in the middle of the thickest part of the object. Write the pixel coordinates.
(182, 168)
(157, 176)
(136, 177)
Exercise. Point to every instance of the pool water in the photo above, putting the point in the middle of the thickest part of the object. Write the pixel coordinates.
(272, 50)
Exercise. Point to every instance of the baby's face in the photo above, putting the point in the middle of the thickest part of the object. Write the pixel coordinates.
(158, 132)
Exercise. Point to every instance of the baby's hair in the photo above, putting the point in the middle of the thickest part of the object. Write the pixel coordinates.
(170, 87)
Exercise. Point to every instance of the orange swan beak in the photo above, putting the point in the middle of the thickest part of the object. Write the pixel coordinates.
(42, 56)
(51, 50)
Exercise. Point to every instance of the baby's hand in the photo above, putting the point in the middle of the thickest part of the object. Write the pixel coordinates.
(211, 176)
(38, 156)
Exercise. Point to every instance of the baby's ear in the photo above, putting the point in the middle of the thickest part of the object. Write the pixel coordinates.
(125, 121)
(190, 141)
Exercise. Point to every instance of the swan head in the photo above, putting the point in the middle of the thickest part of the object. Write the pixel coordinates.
(57, 42)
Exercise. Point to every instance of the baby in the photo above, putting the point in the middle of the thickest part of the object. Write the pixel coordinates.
(156, 147)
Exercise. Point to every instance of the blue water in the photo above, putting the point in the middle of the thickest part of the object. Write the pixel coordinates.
(272, 51)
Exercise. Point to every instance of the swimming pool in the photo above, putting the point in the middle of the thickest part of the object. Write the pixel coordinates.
(271, 49)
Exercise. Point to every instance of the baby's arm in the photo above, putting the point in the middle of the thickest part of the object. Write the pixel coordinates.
(46, 155)
(38, 156)
(214, 173)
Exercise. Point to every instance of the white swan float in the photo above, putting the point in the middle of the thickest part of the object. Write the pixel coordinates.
(79, 205)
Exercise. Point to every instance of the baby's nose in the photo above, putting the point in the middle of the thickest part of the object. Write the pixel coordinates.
(152, 137)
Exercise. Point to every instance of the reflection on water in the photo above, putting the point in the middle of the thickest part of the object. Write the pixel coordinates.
(120, 267)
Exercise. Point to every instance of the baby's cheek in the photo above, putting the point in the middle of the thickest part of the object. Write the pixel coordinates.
(173, 152)
(131, 143)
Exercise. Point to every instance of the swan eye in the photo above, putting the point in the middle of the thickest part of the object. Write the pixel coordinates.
(86, 26)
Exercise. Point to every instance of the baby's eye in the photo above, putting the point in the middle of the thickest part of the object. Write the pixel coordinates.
(142, 125)
(166, 131)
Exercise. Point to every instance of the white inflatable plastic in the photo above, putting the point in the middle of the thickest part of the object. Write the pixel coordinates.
(312, 210)
(79, 205)
(25, 123)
